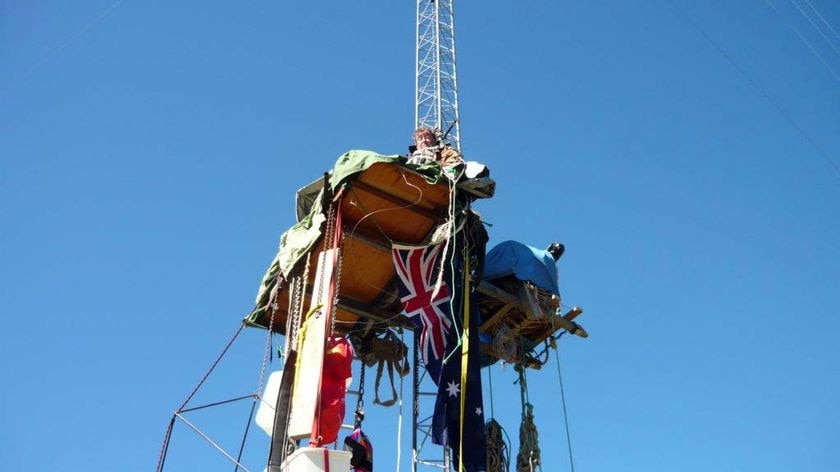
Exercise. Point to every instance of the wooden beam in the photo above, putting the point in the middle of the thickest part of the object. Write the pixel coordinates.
(411, 206)
(499, 294)
(573, 313)
(364, 310)
(374, 243)
(496, 317)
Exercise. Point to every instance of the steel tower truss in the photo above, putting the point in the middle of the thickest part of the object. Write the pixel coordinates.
(436, 106)
(436, 82)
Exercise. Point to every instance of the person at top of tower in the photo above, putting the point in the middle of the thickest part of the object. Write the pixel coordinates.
(427, 148)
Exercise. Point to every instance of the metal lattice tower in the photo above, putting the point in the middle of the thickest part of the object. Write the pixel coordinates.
(436, 106)
(436, 85)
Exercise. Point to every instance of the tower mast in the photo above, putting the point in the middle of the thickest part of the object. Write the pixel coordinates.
(435, 106)
(436, 81)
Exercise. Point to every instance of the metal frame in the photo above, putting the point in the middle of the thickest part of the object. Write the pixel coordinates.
(436, 82)
(421, 430)
(436, 107)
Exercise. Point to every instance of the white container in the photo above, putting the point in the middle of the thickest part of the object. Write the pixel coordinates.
(314, 459)
(265, 412)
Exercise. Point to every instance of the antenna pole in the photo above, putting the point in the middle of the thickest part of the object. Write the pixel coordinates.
(436, 81)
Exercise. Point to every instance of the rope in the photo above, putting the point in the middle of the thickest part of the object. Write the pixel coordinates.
(399, 418)
(245, 435)
(490, 378)
(565, 415)
(164, 448)
(215, 363)
(498, 455)
(529, 448)
(212, 443)
(451, 236)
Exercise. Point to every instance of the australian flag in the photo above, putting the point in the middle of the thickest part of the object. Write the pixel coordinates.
(437, 307)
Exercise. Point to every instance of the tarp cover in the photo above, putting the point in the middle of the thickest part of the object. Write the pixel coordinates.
(300, 238)
(524, 262)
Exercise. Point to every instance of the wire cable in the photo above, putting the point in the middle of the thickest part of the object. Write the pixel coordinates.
(565, 413)
(822, 18)
(802, 38)
(55, 51)
(760, 90)
(816, 27)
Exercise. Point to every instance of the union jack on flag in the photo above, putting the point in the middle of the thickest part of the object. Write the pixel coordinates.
(427, 306)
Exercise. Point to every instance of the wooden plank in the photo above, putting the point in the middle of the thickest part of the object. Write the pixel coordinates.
(413, 206)
(392, 320)
(491, 322)
(406, 183)
(306, 386)
(372, 215)
(499, 294)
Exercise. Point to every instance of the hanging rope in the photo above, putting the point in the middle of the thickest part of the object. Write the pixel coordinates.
(563, 399)
(529, 450)
(164, 448)
(498, 454)
(399, 418)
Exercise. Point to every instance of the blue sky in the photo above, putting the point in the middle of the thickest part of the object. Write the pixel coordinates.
(149, 154)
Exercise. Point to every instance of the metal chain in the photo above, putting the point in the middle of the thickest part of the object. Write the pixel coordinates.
(266, 352)
(290, 311)
(294, 313)
(323, 256)
(337, 292)
(360, 402)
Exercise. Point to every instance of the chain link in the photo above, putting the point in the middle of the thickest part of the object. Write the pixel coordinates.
(322, 258)
(300, 289)
(337, 292)
(266, 352)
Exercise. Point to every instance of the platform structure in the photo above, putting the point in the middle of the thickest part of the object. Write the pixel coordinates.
(385, 203)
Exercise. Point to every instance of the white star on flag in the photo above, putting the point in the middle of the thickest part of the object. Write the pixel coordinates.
(453, 389)
(478, 411)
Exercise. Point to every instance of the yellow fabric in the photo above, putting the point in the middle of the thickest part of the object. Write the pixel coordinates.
(465, 349)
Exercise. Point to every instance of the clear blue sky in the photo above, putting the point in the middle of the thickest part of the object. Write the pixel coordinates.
(149, 155)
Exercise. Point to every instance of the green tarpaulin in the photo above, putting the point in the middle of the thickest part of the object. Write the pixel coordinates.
(299, 239)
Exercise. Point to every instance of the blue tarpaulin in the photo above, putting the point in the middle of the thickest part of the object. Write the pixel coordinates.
(524, 262)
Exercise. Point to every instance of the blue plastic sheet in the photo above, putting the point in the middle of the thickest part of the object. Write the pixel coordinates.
(524, 262)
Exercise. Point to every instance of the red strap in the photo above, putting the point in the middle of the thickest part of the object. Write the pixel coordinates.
(326, 460)
(315, 437)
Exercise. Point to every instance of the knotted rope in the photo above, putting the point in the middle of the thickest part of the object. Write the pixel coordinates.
(528, 458)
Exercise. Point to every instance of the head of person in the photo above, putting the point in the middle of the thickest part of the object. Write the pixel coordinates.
(556, 250)
(424, 138)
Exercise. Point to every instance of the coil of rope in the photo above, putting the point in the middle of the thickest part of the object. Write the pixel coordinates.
(498, 453)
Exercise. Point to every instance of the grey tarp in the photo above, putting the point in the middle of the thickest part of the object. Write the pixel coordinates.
(299, 239)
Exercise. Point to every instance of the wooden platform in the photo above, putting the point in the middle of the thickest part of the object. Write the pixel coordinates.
(388, 203)
(521, 316)
(384, 203)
